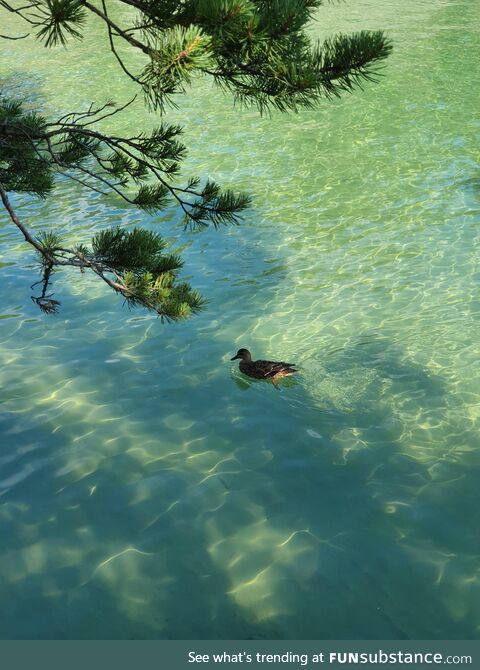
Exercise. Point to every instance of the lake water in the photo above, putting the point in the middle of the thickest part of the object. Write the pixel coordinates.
(147, 490)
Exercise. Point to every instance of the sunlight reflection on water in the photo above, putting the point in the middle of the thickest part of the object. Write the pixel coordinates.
(148, 490)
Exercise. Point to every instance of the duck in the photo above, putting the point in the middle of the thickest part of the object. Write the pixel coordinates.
(269, 370)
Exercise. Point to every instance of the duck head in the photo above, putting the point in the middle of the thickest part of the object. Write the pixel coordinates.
(244, 354)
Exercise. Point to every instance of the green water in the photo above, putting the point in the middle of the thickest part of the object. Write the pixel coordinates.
(146, 490)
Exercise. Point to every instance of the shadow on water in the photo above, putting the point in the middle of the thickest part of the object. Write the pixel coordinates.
(313, 521)
(105, 517)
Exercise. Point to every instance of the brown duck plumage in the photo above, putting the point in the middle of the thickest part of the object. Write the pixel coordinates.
(271, 370)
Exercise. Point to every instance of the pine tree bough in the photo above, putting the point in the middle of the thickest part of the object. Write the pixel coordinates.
(257, 50)
(131, 263)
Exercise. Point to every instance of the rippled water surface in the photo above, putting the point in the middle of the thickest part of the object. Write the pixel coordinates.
(146, 489)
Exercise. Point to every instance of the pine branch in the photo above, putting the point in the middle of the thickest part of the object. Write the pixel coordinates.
(60, 19)
(257, 50)
(131, 263)
(74, 149)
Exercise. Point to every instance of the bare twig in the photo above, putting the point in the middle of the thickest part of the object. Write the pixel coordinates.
(10, 37)
(128, 38)
(115, 52)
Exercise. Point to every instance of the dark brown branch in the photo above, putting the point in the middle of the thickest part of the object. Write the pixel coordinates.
(138, 5)
(28, 238)
(128, 38)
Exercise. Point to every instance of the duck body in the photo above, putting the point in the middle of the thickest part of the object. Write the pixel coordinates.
(270, 370)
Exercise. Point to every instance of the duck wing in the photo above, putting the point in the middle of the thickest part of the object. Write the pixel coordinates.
(272, 368)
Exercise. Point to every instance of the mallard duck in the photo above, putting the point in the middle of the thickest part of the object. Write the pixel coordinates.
(271, 370)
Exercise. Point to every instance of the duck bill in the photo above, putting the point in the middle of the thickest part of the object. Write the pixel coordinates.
(235, 358)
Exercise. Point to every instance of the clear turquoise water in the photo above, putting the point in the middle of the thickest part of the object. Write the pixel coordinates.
(146, 490)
